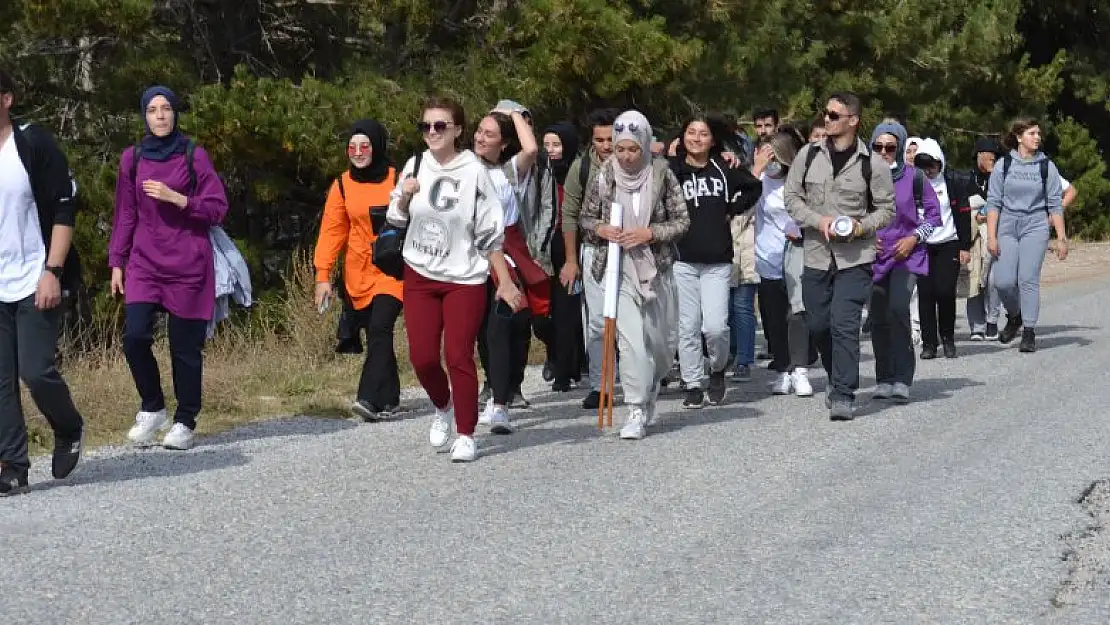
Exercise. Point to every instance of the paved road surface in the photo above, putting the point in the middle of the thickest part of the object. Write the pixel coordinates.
(950, 510)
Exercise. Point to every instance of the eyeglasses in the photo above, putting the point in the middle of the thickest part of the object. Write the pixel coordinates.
(833, 116)
(439, 126)
(631, 127)
(888, 148)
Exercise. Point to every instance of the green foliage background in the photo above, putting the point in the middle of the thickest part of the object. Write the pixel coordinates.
(272, 84)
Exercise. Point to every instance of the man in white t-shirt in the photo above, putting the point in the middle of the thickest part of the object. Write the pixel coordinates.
(37, 263)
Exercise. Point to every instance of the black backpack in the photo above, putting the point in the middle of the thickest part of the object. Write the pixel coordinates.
(389, 247)
(1008, 160)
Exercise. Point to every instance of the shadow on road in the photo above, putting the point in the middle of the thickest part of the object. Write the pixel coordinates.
(142, 465)
(294, 426)
(923, 390)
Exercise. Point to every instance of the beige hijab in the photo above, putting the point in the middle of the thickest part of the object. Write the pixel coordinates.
(633, 190)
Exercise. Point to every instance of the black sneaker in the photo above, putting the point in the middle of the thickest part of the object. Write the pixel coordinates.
(949, 349)
(928, 352)
(992, 332)
(560, 386)
(1010, 332)
(841, 410)
(388, 410)
(67, 453)
(366, 411)
(592, 401)
(13, 481)
(519, 401)
(695, 399)
(548, 371)
(978, 336)
(717, 388)
(1028, 341)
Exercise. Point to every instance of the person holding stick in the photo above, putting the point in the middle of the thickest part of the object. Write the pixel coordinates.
(652, 216)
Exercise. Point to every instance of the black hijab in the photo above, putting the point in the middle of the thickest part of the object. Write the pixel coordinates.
(156, 148)
(569, 136)
(379, 165)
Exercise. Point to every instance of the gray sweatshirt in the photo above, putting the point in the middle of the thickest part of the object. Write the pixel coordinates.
(1023, 193)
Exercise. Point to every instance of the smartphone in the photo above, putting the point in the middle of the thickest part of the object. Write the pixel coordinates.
(576, 287)
(324, 304)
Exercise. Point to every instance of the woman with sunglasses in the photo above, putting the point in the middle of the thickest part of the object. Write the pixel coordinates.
(900, 260)
(654, 216)
(455, 229)
(353, 216)
(506, 145)
(703, 269)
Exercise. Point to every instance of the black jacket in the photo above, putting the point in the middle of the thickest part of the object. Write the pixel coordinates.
(53, 187)
(714, 195)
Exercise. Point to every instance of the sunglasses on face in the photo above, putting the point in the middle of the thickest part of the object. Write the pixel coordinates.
(631, 127)
(426, 127)
(833, 116)
(888, 148)
(354, 149)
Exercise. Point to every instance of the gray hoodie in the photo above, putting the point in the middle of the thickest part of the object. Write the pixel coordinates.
(1022, 193)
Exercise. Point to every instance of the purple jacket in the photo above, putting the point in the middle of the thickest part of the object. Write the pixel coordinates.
(905, 223)
(164, 251)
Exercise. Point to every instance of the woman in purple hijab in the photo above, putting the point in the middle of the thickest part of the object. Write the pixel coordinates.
(168, 195)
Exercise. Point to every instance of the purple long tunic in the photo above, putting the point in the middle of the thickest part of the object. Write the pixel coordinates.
(164, 250)
(905, 222)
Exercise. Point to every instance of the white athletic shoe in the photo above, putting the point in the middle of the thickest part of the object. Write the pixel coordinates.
(180, 437)
(634, 429)
(782, 385)
(147, 425)
(464, 449)
(441, 427)
(800, 381)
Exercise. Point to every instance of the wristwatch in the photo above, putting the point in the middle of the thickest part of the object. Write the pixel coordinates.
(57, 271)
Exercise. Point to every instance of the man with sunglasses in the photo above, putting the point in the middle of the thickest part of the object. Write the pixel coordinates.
(839, 178)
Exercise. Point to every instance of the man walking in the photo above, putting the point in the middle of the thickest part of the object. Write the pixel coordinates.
(37, 210)
(840, 177)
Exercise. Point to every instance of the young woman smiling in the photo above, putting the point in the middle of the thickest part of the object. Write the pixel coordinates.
(455, 233)
(506, 145)
(714, 195)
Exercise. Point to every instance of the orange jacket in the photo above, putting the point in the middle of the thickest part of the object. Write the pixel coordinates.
(345, 226)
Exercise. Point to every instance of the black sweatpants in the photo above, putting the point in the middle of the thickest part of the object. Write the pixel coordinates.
(834, 301)
(936, 294)
(379, 384)
(787, 334)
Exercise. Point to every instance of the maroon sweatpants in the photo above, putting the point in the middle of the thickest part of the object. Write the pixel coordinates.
(448, 315)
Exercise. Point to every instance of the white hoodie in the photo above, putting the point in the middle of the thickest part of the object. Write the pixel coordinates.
(947, 230)
(454, 221)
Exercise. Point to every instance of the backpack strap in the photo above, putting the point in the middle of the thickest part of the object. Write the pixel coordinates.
(919, 191)
(190, 152)
(865, 167)
(584, 172)
(1044, 182)
(810, 156)
(342, 193)
(416, 163)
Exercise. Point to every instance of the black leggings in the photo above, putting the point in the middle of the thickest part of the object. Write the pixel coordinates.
(786, 333)
(503, 344)
(936, 294)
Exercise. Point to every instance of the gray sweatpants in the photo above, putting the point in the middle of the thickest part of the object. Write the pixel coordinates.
(703, 298)
(645, 339)
(984, 308)
(1016, 273)
(593, 324)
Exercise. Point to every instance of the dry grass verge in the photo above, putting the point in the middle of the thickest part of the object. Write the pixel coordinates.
(282, 364)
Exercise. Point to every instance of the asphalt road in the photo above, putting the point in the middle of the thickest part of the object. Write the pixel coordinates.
(958, 508)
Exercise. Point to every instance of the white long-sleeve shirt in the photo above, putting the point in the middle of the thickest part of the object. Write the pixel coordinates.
(454, 221)
(772, 224)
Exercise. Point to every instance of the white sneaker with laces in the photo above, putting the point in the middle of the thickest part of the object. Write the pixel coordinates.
(180, 437)
(499, 421)
(782, 385)
(464, 449)
(883, 391)
(441, 427)
(147, 425)
(633, 429)
(486, 418)
(800, 380)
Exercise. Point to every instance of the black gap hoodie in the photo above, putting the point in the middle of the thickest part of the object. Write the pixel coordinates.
(714, 195)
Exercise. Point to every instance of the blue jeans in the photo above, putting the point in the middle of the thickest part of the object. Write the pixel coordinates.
(741, 323)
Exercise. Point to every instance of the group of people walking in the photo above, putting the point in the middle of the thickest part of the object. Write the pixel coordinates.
(514, 237)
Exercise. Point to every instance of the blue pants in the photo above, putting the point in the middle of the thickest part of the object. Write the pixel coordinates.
(741, 323)
(186, 358)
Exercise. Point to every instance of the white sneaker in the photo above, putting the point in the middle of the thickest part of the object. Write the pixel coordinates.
(147, 425)
(486, 418)
(633, 429)
(782, 385)
(464, 449)
(180, 437)
(883, 391)
(499, 421)
(800, 380)
(441, 427)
